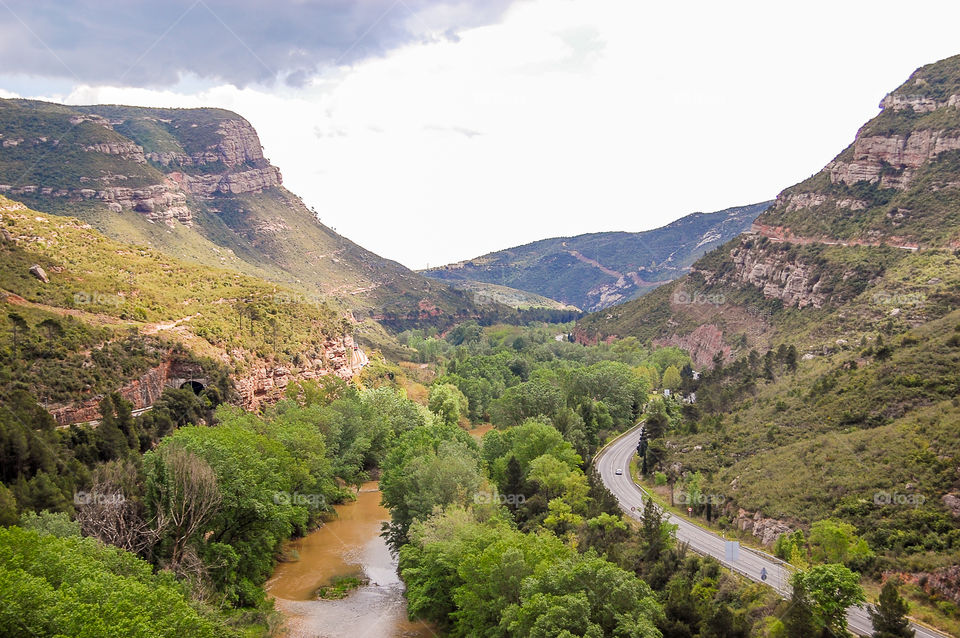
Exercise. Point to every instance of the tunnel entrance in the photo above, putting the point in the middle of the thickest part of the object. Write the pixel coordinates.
(196, 386)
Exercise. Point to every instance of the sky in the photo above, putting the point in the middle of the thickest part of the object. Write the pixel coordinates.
(431, 131)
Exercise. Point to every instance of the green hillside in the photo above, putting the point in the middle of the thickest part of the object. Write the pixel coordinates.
(829, 344)
(111, 311)
(598, 270)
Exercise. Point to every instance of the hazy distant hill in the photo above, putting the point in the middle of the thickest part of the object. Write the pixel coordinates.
(597, 270)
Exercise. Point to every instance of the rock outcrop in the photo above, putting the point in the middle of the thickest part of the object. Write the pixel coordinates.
(265, 383)
(37, 271)
(765, 529)
(703, 344)
(942, 583)
(231, 165)
(892, 160)
(790, 281)
(239, 144)
(252, 181)
(262, 383)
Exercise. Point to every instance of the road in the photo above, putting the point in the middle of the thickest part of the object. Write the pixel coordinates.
(750, 562)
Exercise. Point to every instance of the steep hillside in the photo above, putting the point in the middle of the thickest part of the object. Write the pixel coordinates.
(194, 184)
(598, 270)
(869, 235)
(829, 338)
(84, 315)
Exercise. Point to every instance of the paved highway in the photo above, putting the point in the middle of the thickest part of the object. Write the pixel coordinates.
(750, 563)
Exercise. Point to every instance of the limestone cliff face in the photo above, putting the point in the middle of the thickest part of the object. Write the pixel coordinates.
(765, 529)
(239, 144)
(792, 282)
(892, 159)
(703, 344)
(229, 162)
(262, 383)
(265, 382)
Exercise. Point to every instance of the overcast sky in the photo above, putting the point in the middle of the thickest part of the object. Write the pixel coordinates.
(431, 131)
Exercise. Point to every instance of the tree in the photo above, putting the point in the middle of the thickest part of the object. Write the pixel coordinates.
(72, 586)
(833, 541)
(831, 589)
(657, 419)
(798, 619)
(889, 617)
(656, 535)
(20, 327)
(183, 496)
(8, 506)
(448, 403)
(109, 512)
(111, 440)
(672, 379)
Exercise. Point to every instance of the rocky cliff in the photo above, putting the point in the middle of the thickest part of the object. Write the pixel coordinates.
(261, 383)
(229, 160)
(896, 184)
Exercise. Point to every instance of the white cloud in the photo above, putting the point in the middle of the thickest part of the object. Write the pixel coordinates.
(576, 116)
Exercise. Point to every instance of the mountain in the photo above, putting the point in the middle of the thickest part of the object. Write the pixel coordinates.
(828, 339)
(484, 292)
(598, 270)
(880, 220)
(84, 315)
(194, 183)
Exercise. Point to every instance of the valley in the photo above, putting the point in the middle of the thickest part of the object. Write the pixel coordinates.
(221, 418)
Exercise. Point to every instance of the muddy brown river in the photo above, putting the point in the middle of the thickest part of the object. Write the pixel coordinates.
(350, 545)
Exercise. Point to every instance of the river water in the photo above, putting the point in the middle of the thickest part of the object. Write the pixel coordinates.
(349, 545)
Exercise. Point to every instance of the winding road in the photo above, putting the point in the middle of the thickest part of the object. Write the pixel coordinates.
(750, 563)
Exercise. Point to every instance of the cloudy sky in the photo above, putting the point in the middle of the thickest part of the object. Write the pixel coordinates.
(436, 130)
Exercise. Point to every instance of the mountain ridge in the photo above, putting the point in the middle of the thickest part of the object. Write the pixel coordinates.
(597, 270)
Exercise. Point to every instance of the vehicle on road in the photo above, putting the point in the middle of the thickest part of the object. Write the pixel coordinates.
(619, 472)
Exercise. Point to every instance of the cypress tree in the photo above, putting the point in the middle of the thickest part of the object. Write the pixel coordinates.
(889, 617)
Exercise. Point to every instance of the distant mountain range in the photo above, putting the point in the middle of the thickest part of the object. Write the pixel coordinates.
(597, 270)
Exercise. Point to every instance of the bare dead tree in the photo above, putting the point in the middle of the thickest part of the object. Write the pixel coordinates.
(109, 513)
(184, 497)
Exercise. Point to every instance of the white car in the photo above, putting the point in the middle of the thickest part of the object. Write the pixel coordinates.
(619, 472)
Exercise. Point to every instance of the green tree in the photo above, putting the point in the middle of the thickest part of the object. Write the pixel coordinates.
(833, 541)
(428, 467)
(831, 588)
(72, 586)
(672, 379)
(448, 403)
(889, 616)
(798, 620)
